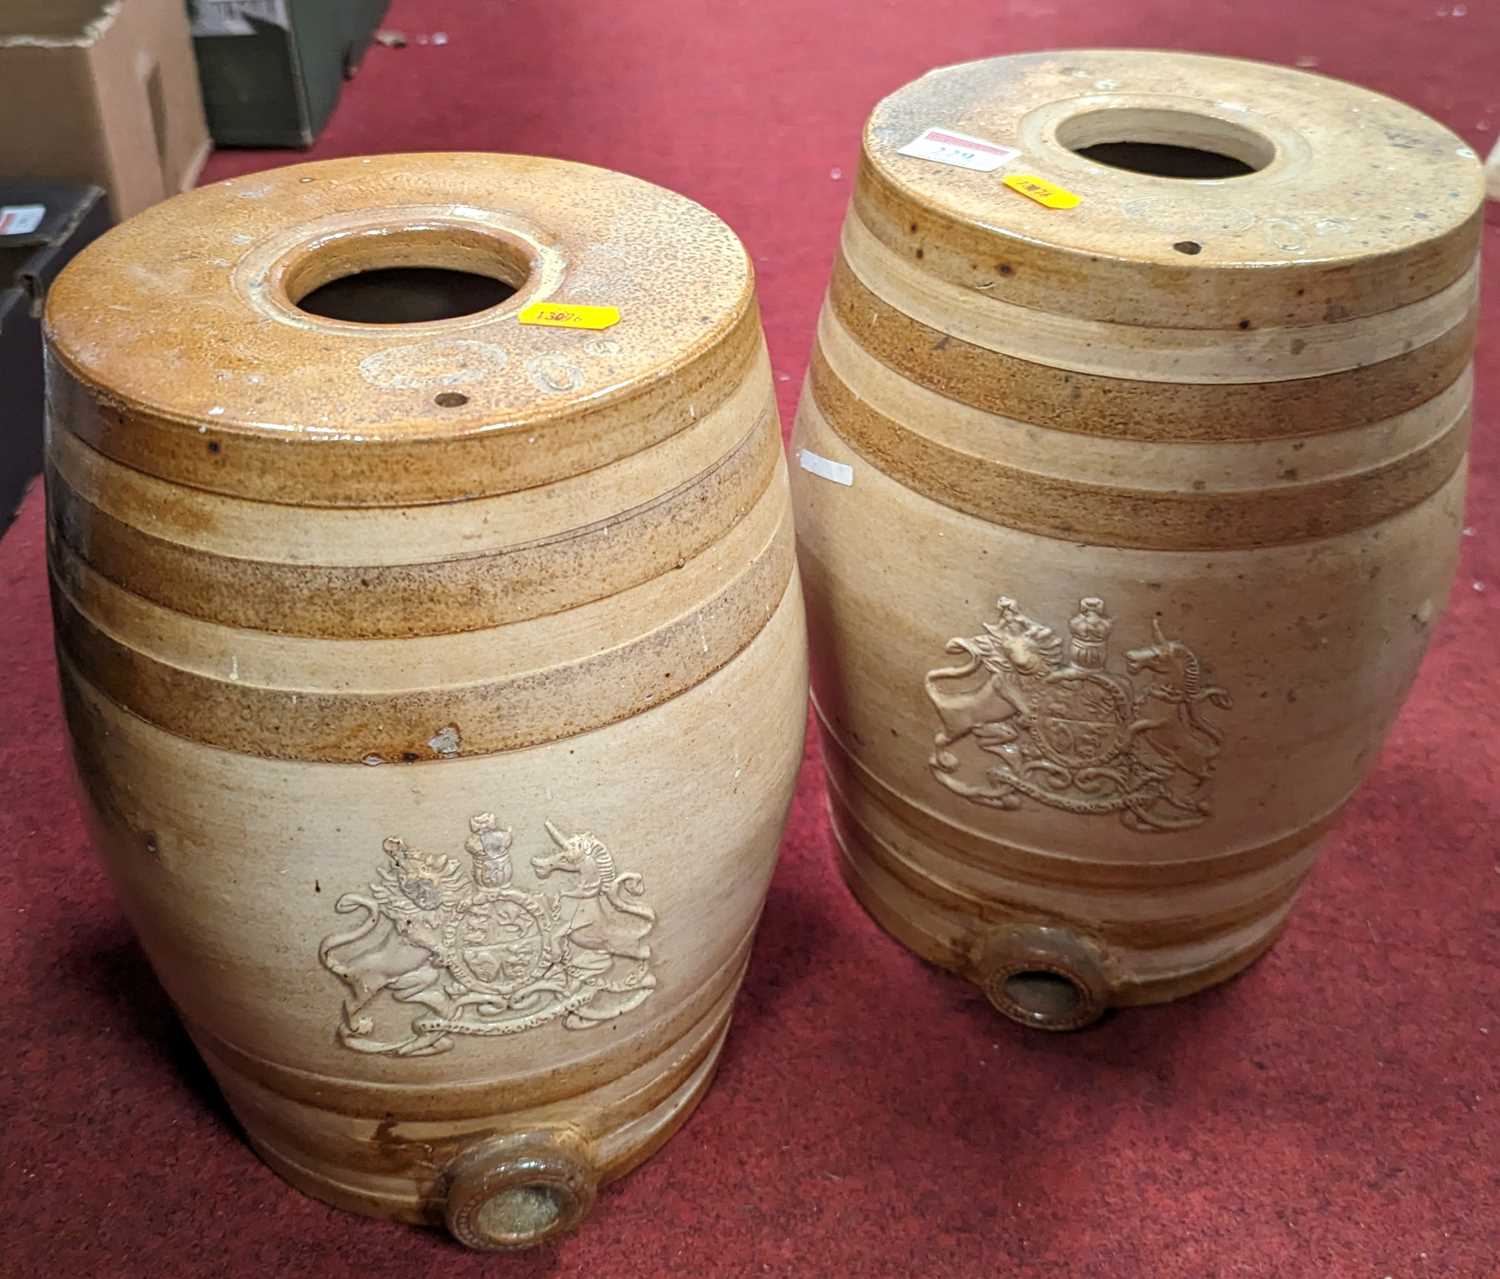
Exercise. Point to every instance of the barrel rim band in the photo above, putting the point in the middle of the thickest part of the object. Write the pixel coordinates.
(972, 847)
(993, 905)
(1151, 352)
(697, 1024)
(397, 466)
(437, 596)
(932, 938)
(1035, 276)
(363, 536)
(1119, 408)
(1080, 511)
(334, 727)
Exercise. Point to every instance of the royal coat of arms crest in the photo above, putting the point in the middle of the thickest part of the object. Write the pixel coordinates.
(1065, 730)
(478, 954)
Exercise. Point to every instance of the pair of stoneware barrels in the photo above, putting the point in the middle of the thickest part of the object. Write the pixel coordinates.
(435, 663)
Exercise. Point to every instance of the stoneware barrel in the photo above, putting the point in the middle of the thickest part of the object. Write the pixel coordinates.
(1131, 474)
(436, 679)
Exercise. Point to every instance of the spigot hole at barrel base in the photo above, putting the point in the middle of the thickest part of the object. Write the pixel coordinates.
(519, 1191)
(1045, 977)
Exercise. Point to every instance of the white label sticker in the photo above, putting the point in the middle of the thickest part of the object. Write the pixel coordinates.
(947, 147)
(21, 219)
(233, 17)
(826, 467)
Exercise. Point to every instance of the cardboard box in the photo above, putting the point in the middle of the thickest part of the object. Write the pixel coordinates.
(273, 69)
(101, 91)
(42, 226)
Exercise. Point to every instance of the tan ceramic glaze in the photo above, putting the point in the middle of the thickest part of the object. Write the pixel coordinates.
(1151, 506)
(438, 687)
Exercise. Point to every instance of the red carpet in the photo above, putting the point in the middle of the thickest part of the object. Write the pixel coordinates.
(1334, 1113)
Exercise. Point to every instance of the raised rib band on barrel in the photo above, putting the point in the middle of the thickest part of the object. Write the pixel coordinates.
(1049, 277)
(1142, 976)
(688, 1033)
(1169, 354)
(401, 463)
(1074, 509)
(921, 871)
(861, 789)
(534, 706)
(434, 598)
(1087, 403)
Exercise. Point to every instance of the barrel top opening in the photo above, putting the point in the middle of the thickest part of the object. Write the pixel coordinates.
(382, 295)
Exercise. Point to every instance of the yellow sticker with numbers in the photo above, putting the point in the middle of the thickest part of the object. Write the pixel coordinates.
(1040, 190)
(563, 315)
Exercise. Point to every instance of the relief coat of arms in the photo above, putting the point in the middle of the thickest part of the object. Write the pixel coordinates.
(1063, 729)
(479, 955)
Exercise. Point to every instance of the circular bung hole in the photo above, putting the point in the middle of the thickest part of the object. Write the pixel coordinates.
(1045, 995)
(450, 400)
(1167, 144)
(1190, 247)
(405, 295)
(520, 1212)
(406, 275)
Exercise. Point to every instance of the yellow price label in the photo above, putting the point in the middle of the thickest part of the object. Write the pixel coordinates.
(564, 315)
(1040, 190)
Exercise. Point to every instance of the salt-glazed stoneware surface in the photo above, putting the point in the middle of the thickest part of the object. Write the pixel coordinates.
(438, 687)
(1127, 503)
